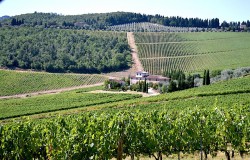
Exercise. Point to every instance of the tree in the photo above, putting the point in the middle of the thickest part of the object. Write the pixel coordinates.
(65, 50)
(164, 89)
(172, 86)
(181, 81)
(207, 78)
(144, 86)
(140, 86)
(106, 84)
(190, 81)
(127, 81)
(204, 77)
(13, 22)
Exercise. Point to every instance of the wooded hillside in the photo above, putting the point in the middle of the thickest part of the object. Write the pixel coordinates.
(55, 50)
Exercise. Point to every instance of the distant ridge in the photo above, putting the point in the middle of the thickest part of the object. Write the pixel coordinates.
(104, 20)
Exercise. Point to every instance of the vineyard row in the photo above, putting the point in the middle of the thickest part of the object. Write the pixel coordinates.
(107, 135)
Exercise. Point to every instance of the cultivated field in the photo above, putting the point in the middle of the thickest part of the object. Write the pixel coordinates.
(56, 102)
(16, 82)
(192, 52)
(82, 125)
(147, 126)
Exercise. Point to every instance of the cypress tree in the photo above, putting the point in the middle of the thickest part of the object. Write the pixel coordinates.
(13, 21)
(207, 78)
(144, 86)
(204, 77)
(140, 88)
(192, 82)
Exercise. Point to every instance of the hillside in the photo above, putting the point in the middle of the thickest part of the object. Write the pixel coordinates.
(223, 94)
(56, 102)
(192, 52)
(70, 58)
(59, 50)
(18, 82)
(170, 122)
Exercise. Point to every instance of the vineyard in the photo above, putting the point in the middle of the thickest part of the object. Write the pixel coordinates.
(52, 99)
(107, 135)
(151, 27)
(233, 92)
(224, 94)
(234, 86)
(48, 103)
(81, 125)
(192, 52)
(210, 118)
(13, 82)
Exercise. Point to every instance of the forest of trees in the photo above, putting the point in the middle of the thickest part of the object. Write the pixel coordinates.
(103, 20)
(56, 50)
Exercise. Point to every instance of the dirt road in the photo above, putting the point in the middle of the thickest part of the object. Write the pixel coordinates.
(136, 60)
(150, 93)
(136, 65)
(55, 91)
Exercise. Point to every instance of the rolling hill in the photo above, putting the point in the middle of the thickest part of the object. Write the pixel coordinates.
(192, 52)
(16, 82)
(175, 122)
(61, 50)
(81, 125)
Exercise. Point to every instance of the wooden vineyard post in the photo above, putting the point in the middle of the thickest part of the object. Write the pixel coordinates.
(120, 142)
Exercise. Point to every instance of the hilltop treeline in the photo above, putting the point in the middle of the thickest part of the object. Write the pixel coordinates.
(103, 20)
(56, 50)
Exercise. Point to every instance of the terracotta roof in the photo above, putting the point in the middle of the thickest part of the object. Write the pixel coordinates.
(151, 78)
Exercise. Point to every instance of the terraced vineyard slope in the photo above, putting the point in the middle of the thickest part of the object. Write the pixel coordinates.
(192, 52)
(14, 82)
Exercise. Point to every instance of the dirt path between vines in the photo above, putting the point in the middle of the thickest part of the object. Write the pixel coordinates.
(55, 91)
(151, 92)
(136, 65)
(136, 60)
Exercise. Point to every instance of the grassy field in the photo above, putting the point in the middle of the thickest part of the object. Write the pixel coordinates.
(13, 82)
(192, 52)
